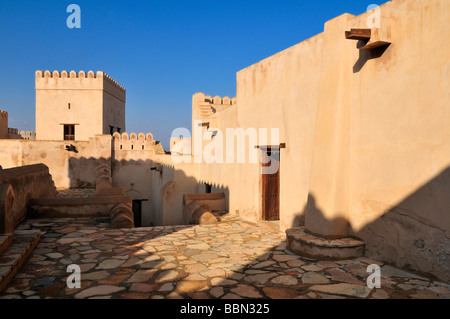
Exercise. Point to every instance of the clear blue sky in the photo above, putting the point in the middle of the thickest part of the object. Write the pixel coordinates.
(162, 52)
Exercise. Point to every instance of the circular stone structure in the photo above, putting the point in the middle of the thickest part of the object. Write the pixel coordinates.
(301, 243)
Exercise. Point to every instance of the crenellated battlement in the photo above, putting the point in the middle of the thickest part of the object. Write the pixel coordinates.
(46, 80)
(28, 135)
(204, 106)
(217, 100)
(133, 141)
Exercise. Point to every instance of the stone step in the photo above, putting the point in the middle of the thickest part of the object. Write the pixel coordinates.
(304, 244)
(5, 241)
(23, 243)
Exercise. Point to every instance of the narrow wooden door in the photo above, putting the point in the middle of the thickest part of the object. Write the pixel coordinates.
(271, 187)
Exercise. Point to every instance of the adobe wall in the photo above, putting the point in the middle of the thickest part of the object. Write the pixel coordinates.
(131, 164)
(70, 169)
(169, 183)
(400, 140)
(28, 182)
(367, 135)
(96, 102)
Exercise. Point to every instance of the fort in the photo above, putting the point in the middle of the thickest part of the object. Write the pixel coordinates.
(362, 156)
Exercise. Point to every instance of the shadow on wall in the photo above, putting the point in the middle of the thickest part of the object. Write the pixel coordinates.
(169, 183)
(158, 187)
(412, 234)
(368, 54)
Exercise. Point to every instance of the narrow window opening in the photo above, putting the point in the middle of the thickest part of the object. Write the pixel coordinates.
(69, 132)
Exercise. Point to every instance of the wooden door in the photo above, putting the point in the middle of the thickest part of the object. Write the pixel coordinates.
(271, 186)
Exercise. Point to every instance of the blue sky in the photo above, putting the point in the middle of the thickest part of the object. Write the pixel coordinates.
(162, 52)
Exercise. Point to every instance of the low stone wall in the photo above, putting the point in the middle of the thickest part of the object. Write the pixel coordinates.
(198, 208)
(28, 182)
(215, 201)
(99, 206)
(7, 199)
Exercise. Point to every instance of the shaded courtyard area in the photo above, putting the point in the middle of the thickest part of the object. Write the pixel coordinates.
(232, 259)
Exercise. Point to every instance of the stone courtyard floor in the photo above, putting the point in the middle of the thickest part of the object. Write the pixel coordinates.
(233, 259)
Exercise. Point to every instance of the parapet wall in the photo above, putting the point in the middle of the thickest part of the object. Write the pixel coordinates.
(133, 141)
(204, 106)
(28, 182)
(28, 135)
(46, 80)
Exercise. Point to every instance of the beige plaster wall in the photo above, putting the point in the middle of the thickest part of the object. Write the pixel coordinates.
(113, 113)
(169, 183)
(366, 133)
(96, 101)
(131, 170)
(400, 140)
(69, 169)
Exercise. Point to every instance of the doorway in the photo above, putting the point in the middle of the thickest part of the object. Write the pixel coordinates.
(270, 172)
(137, 212)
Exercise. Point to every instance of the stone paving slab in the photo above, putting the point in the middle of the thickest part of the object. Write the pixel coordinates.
(232, 259)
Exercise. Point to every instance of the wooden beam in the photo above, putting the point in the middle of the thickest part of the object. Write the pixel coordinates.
(358, 34)
(374, 45)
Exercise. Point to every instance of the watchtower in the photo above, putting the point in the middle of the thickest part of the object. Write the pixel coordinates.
(77, 106)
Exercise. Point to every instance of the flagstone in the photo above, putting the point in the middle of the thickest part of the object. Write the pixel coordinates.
(55, 255)
(114, 280)
(195, 277)
(260, 278)
(311, 268)
(231, 296)
(142, 287)
(285, 280)
(424, 294)
(169, 266)
(167, 275)
(311, 278)
(280, 293)
(142, 275)
(214, 273)
(150, 264)
(418, 282)
(218, 281)
(204, 257)
(246, 291)
(199, 262)
(195, 268)
(110, 264)
(284, 258)
(95, 275)
(380, 294)
(340, 275)
(86, 267)
(184, 286)
(135, 295)
(350, 290)
(326, 264)
(216, 292)
(98, 290)
(439, 290)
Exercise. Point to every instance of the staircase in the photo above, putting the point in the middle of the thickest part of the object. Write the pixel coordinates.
(14, 251)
